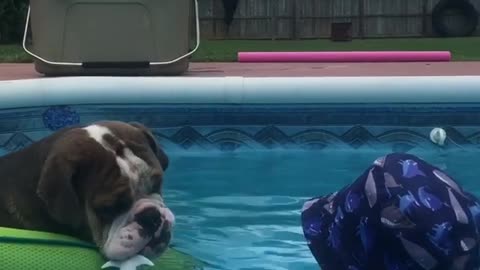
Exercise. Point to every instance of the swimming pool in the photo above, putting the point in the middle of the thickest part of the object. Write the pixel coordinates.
(246, 152)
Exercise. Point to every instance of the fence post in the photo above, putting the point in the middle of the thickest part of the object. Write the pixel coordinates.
(293, 22)
(361, 17)
(424, 18)
(273, 19)
(213, 6)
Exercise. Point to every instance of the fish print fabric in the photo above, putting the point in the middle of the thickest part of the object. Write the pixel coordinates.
(401, 213)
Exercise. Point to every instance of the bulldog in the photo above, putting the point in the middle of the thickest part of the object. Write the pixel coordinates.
(101, 183)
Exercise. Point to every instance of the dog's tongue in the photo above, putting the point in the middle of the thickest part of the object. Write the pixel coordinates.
(127, 243)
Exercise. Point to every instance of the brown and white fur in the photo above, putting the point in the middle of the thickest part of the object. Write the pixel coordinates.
(101, 183)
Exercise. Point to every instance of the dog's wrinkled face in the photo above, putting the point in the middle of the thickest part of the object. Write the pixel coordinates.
(105, 180)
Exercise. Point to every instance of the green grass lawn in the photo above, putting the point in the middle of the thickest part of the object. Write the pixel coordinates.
(13, 54)
(463, 49)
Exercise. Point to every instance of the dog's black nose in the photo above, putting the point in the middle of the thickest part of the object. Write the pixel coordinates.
(150, 219)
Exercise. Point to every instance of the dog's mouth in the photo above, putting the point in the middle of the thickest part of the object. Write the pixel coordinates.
(146, 231)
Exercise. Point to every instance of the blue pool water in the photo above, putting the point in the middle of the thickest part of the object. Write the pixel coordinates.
(241, 210)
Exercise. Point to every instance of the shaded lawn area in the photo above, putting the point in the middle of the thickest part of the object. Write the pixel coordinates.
(463, 49)
(13, 54)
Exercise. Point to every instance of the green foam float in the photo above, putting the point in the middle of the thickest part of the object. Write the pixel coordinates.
(25, 249)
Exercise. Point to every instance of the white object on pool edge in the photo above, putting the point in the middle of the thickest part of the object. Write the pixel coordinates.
(438, 136)
(129, 264)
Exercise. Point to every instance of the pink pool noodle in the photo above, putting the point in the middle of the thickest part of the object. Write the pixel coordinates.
(348, 56)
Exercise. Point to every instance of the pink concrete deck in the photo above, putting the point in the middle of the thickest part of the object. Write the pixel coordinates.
(25, 71)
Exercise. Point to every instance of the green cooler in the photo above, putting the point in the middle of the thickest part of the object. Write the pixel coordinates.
(112, 37)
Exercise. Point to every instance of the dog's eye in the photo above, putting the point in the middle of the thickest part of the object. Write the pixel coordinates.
(123, 204)
(156, 179)
(111, 211)
(135, 147)
(106, 212)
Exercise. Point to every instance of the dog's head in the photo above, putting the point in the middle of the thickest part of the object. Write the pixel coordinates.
(105, 181)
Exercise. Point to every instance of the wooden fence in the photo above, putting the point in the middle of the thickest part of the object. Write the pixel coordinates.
(303, 19)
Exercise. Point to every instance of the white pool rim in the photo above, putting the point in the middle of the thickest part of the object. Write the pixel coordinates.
(238, 90)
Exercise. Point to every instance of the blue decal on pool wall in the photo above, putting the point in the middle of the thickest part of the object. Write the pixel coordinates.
(228, 139)
(16, 142)
(57, 117)
(270, 137)
(229, 128)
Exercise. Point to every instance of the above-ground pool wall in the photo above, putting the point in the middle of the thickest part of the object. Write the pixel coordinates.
(228, 121)
(236, 127)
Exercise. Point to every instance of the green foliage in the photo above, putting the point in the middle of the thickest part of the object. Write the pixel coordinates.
(12, 20)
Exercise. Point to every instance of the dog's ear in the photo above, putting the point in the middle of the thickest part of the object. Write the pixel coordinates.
(161, 156)
(56, 189)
